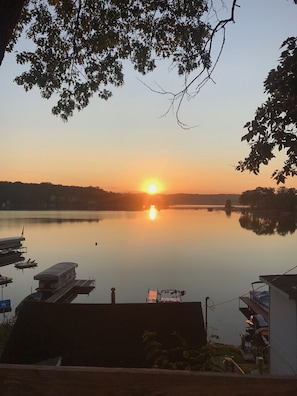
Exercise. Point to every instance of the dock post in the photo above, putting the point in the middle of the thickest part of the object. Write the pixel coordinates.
(206, 306)
(113, 295)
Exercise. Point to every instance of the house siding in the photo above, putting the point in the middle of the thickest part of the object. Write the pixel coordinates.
(283, 330)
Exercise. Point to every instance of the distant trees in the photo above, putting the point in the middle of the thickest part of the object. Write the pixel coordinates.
(266, 198)
(46, 196)
(262, 223)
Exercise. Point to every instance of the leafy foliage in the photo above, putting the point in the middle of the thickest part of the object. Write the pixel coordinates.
(5, 330)
(275, 122)
(80, 45)
(179, 356)
(263, 223)
(266, 198)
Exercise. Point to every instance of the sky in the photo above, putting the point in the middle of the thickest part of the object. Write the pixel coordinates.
(126, 143)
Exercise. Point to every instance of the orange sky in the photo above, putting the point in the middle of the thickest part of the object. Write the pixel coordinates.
(121, 144)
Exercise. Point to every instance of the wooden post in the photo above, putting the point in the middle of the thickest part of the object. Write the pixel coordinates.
(113, 295)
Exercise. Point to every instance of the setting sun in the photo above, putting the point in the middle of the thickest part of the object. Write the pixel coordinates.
(152, 186)
(152, 189)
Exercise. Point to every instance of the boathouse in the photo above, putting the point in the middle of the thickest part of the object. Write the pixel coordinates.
(100, 335)
(282, 323)
(58, 283)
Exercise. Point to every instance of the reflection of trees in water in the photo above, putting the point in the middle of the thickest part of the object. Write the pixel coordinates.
(267, 224)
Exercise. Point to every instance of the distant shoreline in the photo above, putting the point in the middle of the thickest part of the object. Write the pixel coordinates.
(208, 207)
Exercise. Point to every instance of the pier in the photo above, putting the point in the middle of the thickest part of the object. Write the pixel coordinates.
(59, 284)
(11, 250)
(70, 291)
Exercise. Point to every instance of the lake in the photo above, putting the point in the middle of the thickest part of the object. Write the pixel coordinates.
(205, 252)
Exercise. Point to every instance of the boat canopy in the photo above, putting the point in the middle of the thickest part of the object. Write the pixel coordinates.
(11, 242)
(56, 271)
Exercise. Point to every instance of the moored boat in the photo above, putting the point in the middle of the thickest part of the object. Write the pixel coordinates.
(27, 264)
(165, 296)
(257, 301)
(4, 280)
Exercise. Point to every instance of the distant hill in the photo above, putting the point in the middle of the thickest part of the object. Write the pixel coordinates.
(47, 196)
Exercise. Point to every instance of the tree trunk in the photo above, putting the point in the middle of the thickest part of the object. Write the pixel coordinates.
(10, 11)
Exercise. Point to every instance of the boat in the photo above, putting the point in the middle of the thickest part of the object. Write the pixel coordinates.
(256, 311)
(260, 297)
(257, 301)
(11, 243)
(11, 250)
(255, 335)
(55, 277)
(27, 264)
(165, 296)
(58, 283)
(10, 257)
(4, 280)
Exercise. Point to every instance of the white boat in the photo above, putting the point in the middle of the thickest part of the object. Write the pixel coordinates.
(4, 280)
(11, 243)
(165, 296)
(27, 264)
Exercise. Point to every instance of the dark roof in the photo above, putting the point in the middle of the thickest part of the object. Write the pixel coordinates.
(101, 335)
(55, 271)
(285, 283)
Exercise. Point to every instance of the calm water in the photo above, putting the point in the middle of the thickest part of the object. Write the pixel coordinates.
(208, 254)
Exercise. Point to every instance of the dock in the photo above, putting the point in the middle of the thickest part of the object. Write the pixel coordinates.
(253, 308)
(59, 284)
(73, 288)
(11, 250)
(11, 243)
(4, 280)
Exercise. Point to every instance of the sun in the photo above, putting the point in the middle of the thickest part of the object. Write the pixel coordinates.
(152, 186)
(152, 189)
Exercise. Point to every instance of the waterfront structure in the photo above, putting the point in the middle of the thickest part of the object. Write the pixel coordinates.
(282, 323)
(101, 335)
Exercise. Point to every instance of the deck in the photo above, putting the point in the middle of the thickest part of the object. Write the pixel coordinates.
(79, 286)
(24, 380)
(253, 308)
(11, 243)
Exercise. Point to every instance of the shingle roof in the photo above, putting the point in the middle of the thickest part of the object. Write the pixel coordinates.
(102, 335)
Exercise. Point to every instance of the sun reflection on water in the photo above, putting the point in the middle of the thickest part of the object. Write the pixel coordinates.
(152, 212)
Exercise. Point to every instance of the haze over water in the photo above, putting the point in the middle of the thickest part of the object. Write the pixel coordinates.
(206, 253)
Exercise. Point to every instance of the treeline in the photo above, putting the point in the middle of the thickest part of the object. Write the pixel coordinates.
(47, 196)
(284, 199)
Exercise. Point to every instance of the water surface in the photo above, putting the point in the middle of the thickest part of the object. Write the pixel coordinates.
(206, 253)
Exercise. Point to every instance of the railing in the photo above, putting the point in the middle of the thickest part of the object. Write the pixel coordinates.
(34, 380)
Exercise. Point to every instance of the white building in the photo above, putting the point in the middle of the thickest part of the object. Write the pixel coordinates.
(282, 323)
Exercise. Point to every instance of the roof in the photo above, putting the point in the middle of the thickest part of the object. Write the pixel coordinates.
(100, 335)
(55, 271)
(285, 283)
(11, 242)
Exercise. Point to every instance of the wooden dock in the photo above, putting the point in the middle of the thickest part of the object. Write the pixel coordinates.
(79, 286)
(254, 308)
